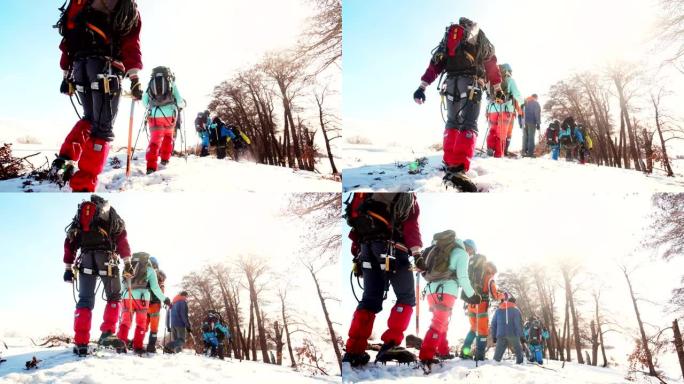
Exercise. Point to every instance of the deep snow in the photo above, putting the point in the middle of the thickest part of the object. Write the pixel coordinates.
(59, 365)
(199, 174)
(369, 167)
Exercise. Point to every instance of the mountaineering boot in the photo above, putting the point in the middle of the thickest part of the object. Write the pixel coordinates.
(456, 177)
(356, 360)
(152, 343)
(481, 346)
(139, 351)
(391, 352)
(204, 152)
(150, 171)
(81, 350)
(61, 170)
(427, 365)
(164, 162)
(447, 356)
(108, 339)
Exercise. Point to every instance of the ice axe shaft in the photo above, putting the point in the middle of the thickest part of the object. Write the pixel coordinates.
(130, 139)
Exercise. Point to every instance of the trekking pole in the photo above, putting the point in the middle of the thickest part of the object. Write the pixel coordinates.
(130, 139)
(487, 131)
(142, 126)
(417, 303)
(185, 139)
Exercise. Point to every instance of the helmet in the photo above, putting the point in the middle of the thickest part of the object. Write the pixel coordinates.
(506, 68)
(470, 244)
(154, 262)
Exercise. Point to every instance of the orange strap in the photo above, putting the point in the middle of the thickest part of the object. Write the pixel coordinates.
(375, 215)
(98, 31)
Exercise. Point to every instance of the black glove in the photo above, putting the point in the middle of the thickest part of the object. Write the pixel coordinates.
(128, 270)
(188, 329)
(68, 276)
(168, 329)
(419, 95)
(538, 127)
(136, 88)
(474, 299)
(167, 302)
(65, 87)
(494, 340)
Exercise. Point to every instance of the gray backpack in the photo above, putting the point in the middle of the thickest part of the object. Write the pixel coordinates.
(435, 260)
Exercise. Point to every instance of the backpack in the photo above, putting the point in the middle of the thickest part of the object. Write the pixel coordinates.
(140, 261)
(534, 333)
(160, 87)
(93, 225)
(477, 269)
(87, 30)
(376, 216)
(435, 259)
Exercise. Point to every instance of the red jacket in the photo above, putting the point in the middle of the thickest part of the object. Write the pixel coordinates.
(71, 246)
(491, 69)
(129, 51)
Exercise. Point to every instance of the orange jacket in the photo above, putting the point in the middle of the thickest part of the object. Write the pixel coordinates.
(490, 289)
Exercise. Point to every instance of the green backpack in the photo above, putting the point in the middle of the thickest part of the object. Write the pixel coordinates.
(140, 261)
(435, 259)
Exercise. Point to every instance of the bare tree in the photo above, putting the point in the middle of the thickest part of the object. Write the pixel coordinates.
(254, 268)
(320, 211)
(642, 332)
(328, 123)
(569, 272)
(671, 31)
(323, 39)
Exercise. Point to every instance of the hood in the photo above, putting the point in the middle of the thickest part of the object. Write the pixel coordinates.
(507, 305)
(179, 298)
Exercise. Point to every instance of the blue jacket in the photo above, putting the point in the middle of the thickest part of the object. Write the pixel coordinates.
(507, 321)
(532, 112)
(179, 313)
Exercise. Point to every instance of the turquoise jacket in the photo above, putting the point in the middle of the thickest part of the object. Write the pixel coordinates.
(168, 110)
(458, 263)
(144, 293)
(508, 106)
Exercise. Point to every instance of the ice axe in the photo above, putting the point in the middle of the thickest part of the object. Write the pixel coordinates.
(129, 153)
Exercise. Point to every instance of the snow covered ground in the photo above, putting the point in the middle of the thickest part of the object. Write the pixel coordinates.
(197, 175)
(489, 371)
(377, 168)
(60, 365)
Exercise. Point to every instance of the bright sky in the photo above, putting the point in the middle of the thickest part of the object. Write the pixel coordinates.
(522, 229)
(387, 47)
(204, 43)
(183, 230)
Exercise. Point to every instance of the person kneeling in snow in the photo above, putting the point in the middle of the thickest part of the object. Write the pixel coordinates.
(214, 332)
(535, 333)
(163, 102)
(178, 323)
(507, 329)
(552, 139)
(136, 294)
(202, 123)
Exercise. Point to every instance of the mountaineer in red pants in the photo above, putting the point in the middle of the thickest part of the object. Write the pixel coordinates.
(467, 57)
(444, 266)
(163, 102)
(100, 233)
(154, 313)
(385, 233)
(136, 299)
(100, 45)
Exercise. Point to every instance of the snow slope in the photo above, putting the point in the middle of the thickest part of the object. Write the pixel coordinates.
(197, 175)
(59, 365)
(375, 168)
(464, 371)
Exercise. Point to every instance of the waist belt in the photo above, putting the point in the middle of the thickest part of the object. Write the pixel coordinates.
(89, 271)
